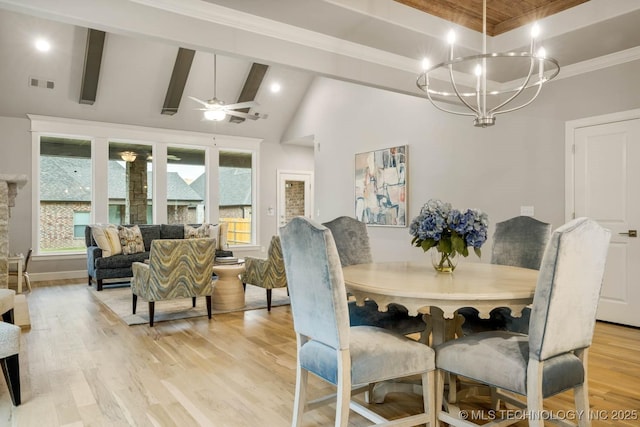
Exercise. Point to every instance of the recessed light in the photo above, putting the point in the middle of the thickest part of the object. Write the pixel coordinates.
(43, 45)
(275, 87)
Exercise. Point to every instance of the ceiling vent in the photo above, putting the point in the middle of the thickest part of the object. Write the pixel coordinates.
(39, 82)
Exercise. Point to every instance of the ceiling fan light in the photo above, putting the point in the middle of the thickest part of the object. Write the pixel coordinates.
(128, 156)
(215, 115)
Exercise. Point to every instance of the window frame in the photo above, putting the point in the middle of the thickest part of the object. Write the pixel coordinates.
(101, 133)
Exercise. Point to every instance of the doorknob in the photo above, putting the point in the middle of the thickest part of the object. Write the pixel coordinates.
(631, 233)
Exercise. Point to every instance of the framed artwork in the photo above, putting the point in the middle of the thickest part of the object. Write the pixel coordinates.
(381, 187)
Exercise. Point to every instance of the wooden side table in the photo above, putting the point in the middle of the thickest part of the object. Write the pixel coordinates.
(228, 293)
(18, 260)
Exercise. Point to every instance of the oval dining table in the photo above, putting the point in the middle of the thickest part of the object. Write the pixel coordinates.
(421, 289)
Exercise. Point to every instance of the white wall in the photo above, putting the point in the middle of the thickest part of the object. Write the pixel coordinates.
(519, 161)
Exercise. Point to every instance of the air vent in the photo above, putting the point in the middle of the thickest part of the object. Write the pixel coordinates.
(39, 82)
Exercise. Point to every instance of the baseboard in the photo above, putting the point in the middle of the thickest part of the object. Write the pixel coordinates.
(58, 275)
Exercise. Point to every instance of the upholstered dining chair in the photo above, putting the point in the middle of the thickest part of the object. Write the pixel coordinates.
(553, 357)
(178, 268)
(352, 242)
(9, 350)
(518, 242)
(348, 357)
(266, 273)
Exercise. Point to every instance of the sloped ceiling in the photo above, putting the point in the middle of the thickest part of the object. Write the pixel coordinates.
(370, 42)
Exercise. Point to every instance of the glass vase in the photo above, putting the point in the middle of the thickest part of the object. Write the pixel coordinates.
(444, 262)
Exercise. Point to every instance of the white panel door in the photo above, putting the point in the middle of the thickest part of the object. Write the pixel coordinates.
(607, 189)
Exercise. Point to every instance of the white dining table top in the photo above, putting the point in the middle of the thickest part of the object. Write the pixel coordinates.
(417, 286)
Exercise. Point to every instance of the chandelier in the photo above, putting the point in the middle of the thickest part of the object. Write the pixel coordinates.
(489, 98)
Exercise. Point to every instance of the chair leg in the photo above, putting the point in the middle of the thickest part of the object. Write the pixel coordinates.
(27, 280)
(11, 371)
(534, 392)
(208, 298)
(135, 303)
(89, 281)
(99, 284)
(8, 317)
(440, 378)
(193, 301)
(151, 311)
(269, 299)
(299, 401)
(428, 395)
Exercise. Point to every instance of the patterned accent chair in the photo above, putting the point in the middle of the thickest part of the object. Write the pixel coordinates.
(9, 349)
(552, 358)
(347, 357)
(352, 241)
(266, 273)
(178, 268)
(518, 242)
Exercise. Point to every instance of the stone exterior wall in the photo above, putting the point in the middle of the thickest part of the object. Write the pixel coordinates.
(56, 224)
(294, 195)
(4, 234)
(136, 201)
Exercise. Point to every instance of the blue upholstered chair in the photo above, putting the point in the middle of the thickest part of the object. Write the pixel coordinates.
(518, 242)
(553, 357)
(267, 273)
(178, 268)
(348, 357)
(352, 243)
(9, 349)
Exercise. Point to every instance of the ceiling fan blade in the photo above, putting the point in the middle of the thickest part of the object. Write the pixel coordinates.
(205, 103)
(243, 115)
(239, 105)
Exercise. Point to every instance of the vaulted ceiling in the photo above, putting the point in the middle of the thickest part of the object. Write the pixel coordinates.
(150, 55)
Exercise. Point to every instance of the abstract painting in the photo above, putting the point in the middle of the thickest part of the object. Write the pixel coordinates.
(381, 187)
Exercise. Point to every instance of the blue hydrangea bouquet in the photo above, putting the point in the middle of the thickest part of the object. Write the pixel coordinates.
(449, 231)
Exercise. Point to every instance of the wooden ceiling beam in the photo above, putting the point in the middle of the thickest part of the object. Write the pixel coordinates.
(250, 88)
(91, 69)
(181, 69)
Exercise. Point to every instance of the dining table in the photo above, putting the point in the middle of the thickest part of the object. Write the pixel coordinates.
(438, 295)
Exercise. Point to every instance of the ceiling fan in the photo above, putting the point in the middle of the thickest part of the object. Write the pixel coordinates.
(216, 110)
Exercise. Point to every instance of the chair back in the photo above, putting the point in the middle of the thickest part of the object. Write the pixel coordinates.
(26, 260)
(352, 240)
(316, 285)
(181, 267)
(520, 242)
(568, 289)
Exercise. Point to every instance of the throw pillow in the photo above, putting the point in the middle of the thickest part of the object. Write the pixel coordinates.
(106, 237)
(131, 239)
(196, 232)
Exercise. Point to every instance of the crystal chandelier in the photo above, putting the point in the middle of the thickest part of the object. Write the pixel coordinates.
(485, 102)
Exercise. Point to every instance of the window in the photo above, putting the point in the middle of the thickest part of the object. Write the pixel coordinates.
(107, 176)
(65, 193)
(236, 195)
(186, 185)
(130, 177)
(80, 221)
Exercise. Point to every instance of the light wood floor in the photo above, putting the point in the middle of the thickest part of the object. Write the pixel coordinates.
(82, 366)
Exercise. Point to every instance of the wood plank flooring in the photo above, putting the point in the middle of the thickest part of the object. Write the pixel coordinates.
(82, 366)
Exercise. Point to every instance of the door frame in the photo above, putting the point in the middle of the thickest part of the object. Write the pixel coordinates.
(569, 149)
(284, 175)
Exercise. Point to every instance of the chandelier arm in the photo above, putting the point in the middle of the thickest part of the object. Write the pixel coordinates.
(460, 97)
(523, 105)
(459, 113)
(524, 86)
